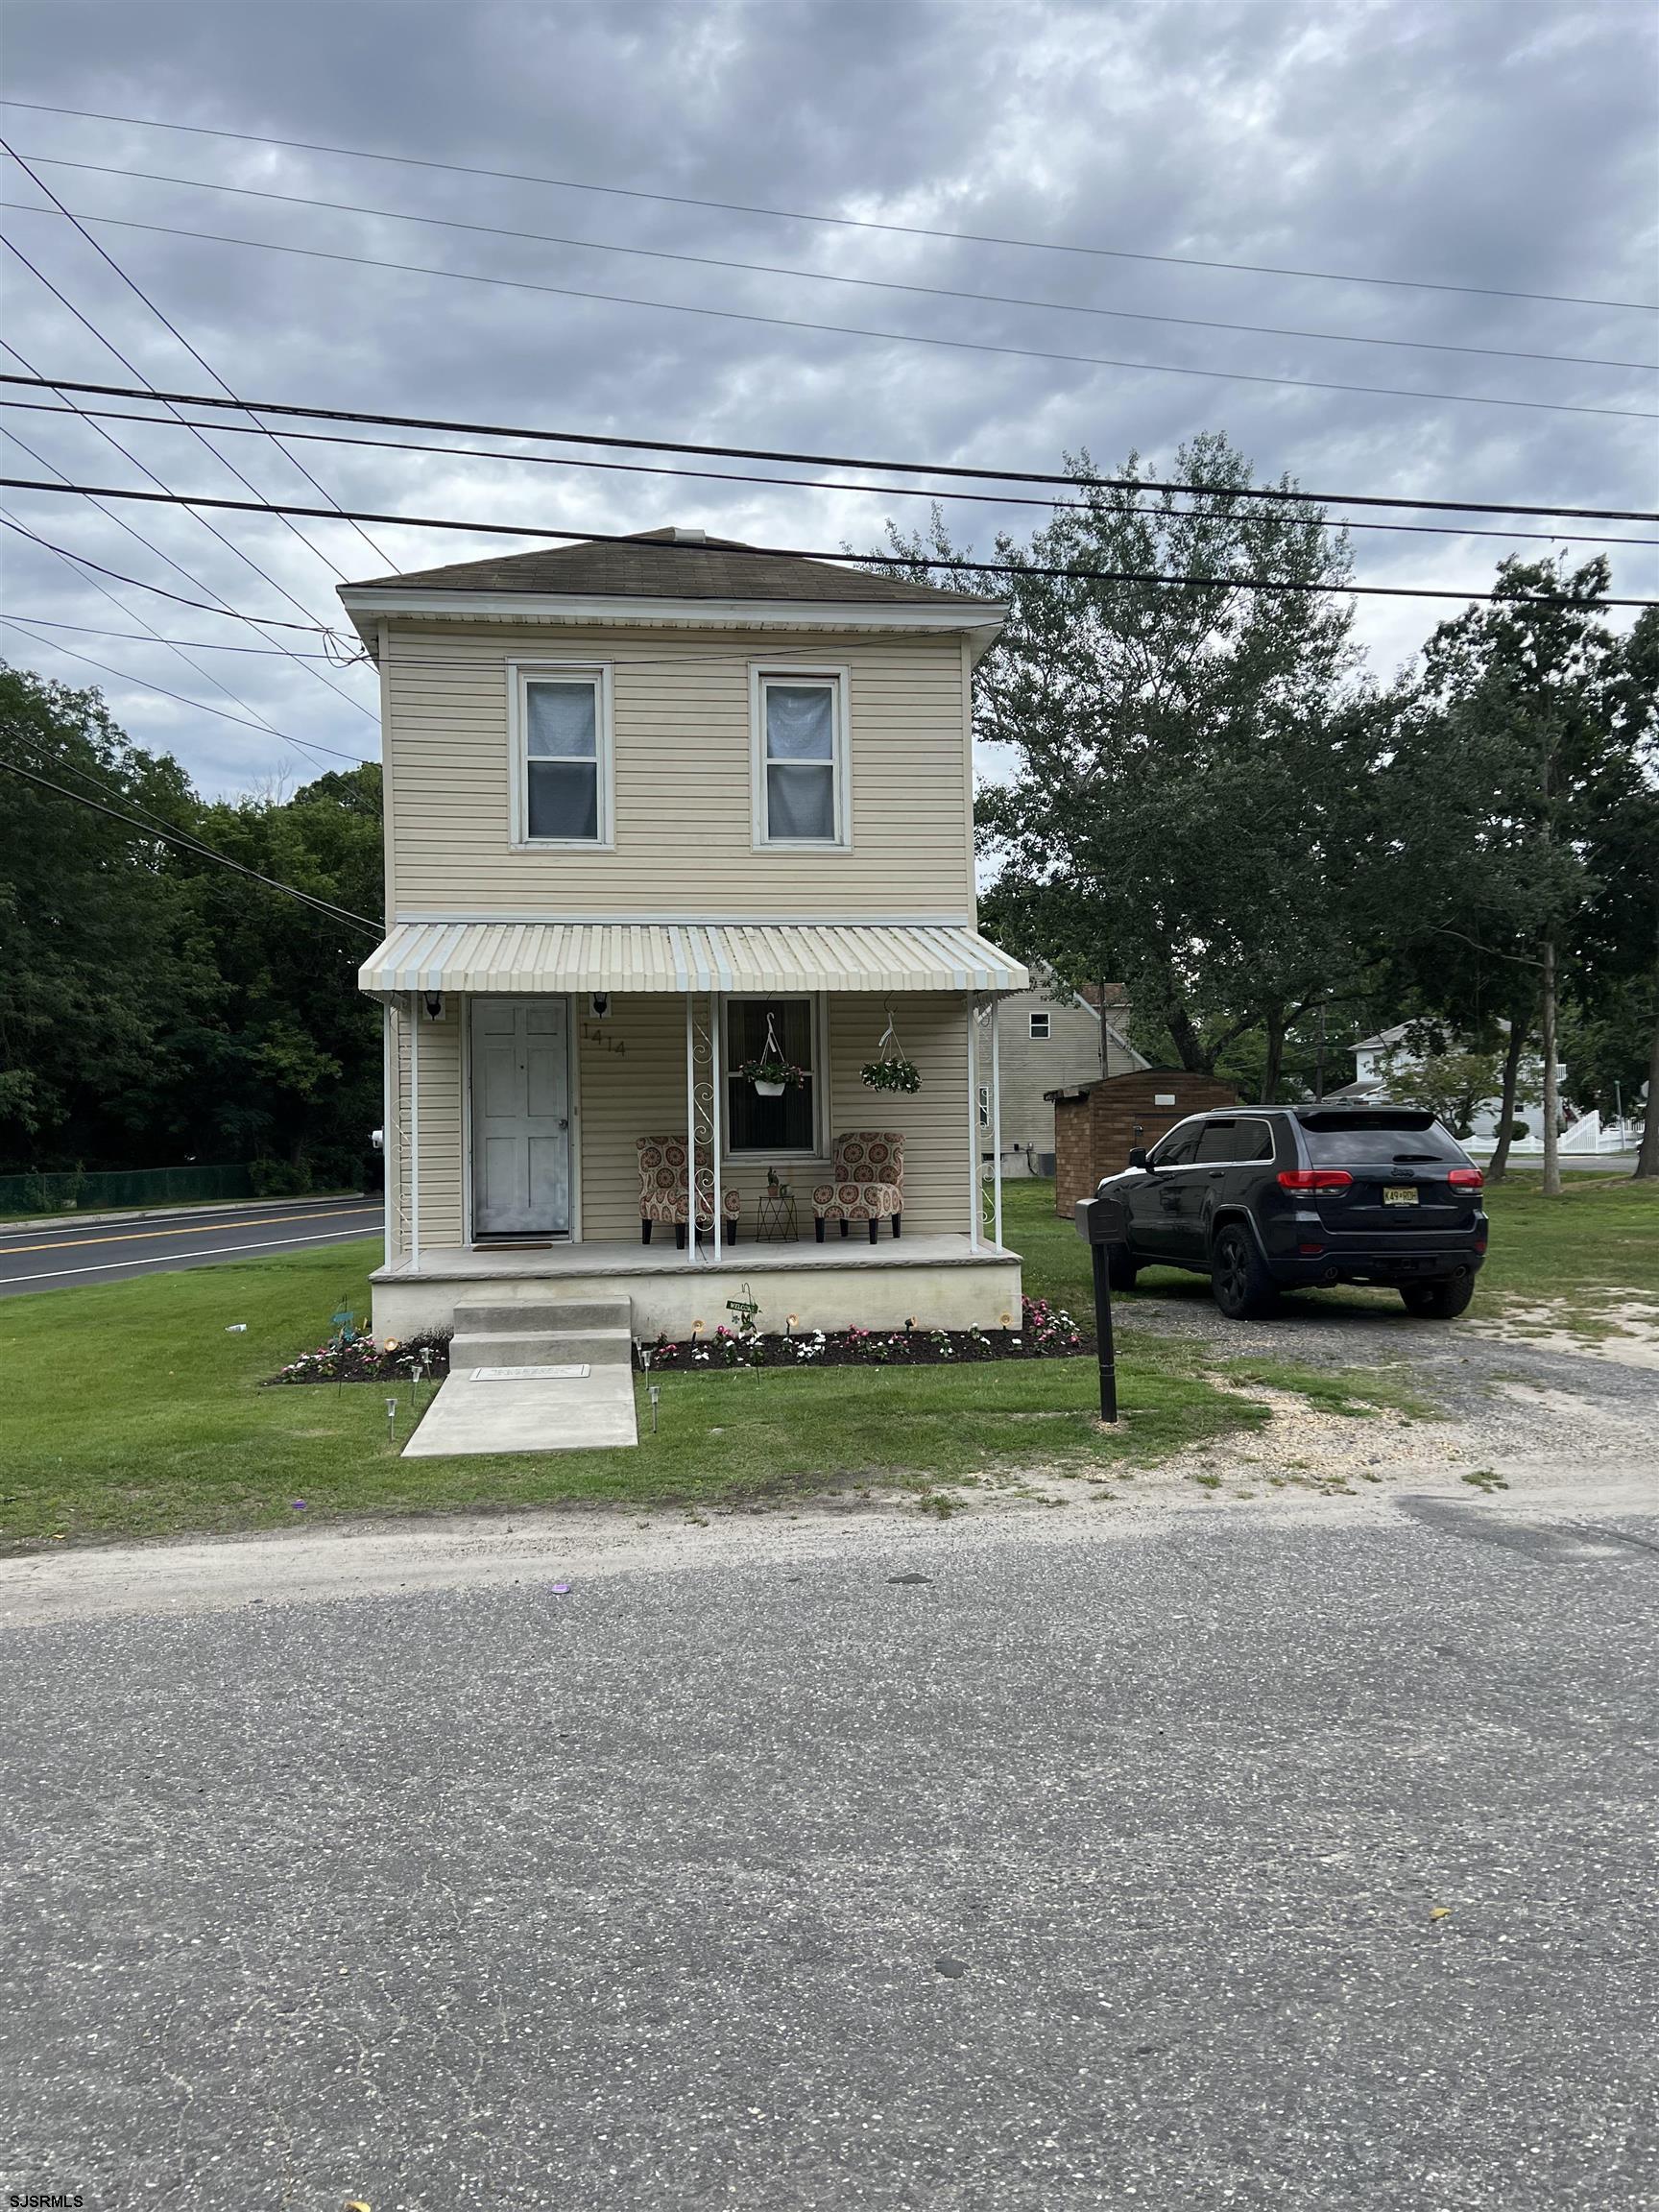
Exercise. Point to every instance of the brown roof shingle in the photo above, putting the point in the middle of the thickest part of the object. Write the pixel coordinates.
(658, 565)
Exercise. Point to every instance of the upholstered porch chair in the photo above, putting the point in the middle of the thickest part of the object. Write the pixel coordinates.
(867, 1170)
(664, 1196)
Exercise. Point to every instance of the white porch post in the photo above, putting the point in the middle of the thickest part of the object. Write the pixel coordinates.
(391, 1147)
(691, 1131)
(715, 1117)
(996, 1122)
(415, 1130)
(972, 1125)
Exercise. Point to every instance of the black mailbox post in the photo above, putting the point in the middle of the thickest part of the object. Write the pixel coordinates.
(1099, 1224)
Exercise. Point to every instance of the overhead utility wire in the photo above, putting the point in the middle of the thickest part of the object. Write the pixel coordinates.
(852, 329)
(859, 560)
(160, 690)
(181, 649)
(153, 638)
(834, 277)
(188, 843)
(802, 483)
(126, 454)
(257, 623)
(838, 222)
(1083, 482)
(183, 654)
(138, 292)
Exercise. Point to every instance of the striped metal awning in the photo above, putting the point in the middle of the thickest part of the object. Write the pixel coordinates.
(739, 956)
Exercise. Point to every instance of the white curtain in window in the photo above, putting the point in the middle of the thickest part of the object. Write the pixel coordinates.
(801, 762)
(562, 769)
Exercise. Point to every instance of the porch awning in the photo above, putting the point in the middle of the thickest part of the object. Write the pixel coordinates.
(534, 957)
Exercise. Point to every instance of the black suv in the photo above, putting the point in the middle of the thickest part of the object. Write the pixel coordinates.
(1270, 1199)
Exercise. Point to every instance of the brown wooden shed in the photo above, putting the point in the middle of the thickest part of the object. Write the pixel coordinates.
(1095, 1124)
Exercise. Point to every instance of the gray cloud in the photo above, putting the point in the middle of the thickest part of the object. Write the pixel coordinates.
(1469, 144)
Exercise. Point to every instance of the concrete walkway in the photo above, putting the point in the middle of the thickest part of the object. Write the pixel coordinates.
(531, 1374)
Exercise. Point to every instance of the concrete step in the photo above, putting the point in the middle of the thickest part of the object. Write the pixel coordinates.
(524, 1316)
(542, 1348)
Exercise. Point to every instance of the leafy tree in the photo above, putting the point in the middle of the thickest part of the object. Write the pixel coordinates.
(1184, 809)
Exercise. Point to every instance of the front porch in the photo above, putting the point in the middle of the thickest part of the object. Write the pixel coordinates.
(939, 1281)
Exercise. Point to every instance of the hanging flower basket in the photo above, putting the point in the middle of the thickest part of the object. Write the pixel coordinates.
(892, 1068)
(770, 1076)
(892, 1072)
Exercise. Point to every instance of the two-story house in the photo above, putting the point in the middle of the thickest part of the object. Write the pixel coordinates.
(657, 811)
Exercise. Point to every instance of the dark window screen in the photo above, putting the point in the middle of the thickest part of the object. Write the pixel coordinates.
(1177, 1151)
(1236, 1141)
(757, 1124)
(1377, 1141)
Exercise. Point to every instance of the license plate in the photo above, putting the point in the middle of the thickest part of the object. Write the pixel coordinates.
(1398, 1195)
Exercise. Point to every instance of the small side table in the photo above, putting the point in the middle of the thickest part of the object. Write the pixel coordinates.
(775, 1221)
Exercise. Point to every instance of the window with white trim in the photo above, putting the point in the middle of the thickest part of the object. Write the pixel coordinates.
(1039, 1028)
(561, 748)
(800, 735)
(755, 1029)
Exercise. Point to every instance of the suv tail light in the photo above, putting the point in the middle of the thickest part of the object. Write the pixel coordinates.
(1466, 1179)
(1315, 1179)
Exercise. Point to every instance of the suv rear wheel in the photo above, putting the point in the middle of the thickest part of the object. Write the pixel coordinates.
(1441, 1301)
(1244, 1288)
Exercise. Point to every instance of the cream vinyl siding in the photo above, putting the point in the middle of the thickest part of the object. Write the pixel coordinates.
(685, 811)
(934, 1120)
(438, 1137)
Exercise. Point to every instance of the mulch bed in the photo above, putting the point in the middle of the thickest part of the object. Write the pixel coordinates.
(1048, 1332)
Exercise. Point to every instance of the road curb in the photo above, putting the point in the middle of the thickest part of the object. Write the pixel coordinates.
(71, 1219)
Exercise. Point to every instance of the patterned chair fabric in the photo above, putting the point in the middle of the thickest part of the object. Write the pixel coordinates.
(662, 1193)
(867, 1166)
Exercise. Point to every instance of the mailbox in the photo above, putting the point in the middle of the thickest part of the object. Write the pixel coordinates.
(1099, 1222)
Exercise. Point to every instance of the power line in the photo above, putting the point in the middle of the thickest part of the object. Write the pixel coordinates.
(835, 276)
(856, 331)
(108, 439)
(838, 222)
(255, 622)
(160, 690)
(138, 293)
(796, 483)
(188, 843)
(954, 471)
(970, 567)
(152, 638)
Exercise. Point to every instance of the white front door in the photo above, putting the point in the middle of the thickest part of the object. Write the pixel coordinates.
(520, 1117)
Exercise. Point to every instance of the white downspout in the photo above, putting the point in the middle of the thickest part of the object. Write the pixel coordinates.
(415, 1133)
(973, 1127)
(997, 1121)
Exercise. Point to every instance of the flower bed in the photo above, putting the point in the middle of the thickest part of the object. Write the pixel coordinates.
(1045, 1332)
(365, 1359)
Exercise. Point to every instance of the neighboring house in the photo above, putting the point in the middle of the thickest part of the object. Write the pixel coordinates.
(1052, 1040)
(1391, 1055)
(654, 808)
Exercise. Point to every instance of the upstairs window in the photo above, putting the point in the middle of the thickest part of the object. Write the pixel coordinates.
(1039, 1028)
(800, 731)
(563, 757)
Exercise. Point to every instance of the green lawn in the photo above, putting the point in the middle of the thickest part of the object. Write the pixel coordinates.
(129, 1411)
(1600, 1236)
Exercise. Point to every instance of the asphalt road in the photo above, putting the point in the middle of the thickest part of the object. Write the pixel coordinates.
(973, 1868)
(81, 1252)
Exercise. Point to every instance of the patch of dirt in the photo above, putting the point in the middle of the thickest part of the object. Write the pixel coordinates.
(1626, 1329)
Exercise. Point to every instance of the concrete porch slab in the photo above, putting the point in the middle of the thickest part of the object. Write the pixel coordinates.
(579, 1411)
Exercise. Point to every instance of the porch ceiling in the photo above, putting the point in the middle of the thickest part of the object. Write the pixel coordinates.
(556, 956)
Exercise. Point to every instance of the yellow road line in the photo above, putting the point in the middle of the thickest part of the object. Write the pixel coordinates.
(205, 1229)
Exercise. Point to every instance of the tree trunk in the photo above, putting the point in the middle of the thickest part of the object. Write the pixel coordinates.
(1184, 1036)
(1520, 1027)
(1647, 1158)
(1551, 1091)
(1275, 1055)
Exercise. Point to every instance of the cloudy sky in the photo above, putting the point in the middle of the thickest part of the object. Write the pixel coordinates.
(1477, 154)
